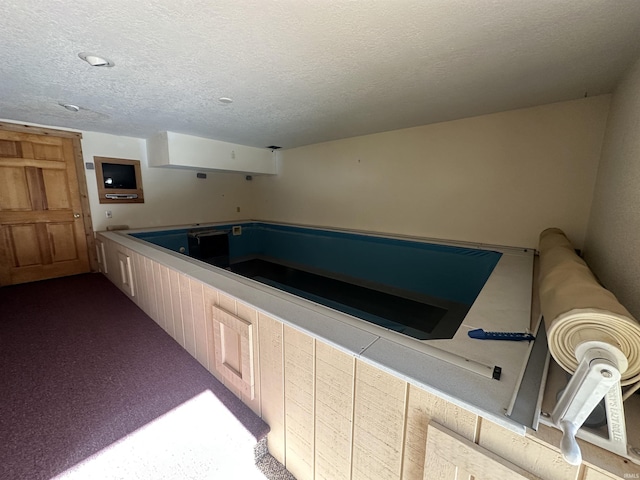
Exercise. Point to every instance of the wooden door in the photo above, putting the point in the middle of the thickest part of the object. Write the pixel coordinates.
(42, 231)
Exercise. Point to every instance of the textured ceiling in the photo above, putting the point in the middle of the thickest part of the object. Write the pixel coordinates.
(303, 71)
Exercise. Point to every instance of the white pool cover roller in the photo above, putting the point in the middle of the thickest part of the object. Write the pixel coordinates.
(577, 309)
(593, 337)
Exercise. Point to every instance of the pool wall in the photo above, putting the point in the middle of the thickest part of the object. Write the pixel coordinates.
(451, 273)
(345, 385)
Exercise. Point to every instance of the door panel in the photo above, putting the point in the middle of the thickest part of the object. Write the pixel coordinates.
(41, 227)
(47, 152)
(23, 241)
(37, 193)
(9, 148)
(62, 242)
(57, 191)
(13, 192)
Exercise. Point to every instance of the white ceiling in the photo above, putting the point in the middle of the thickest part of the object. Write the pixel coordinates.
(303, 71)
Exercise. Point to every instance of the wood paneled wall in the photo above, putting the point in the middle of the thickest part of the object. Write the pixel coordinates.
(333, 416)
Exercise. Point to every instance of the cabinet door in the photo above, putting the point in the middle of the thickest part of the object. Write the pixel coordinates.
(102, 256)
(126, 273)
(452, 457)
(234, 347)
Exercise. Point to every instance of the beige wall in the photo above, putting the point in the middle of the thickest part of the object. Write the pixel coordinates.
(172, 196)
(613, 241)
(498, 179)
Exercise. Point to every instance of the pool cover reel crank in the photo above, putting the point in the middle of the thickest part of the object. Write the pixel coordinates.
(597, 377)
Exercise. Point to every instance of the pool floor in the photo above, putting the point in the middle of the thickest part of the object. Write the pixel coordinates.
(417, 319)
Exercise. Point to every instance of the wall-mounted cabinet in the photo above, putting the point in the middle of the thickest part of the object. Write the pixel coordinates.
(169, 149)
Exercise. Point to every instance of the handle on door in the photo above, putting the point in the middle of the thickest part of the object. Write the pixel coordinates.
(76, 215)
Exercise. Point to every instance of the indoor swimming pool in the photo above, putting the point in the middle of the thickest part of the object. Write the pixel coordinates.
(420, 289)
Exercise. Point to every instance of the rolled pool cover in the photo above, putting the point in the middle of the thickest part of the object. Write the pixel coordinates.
(577, 309)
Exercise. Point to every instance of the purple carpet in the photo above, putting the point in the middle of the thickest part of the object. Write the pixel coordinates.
(81, 366)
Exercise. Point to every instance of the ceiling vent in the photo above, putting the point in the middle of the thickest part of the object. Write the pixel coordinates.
(95, 60)
(70, 107)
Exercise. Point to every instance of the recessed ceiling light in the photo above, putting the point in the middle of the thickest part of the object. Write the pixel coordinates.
(70, 107)
(226, 100)
(95, 60)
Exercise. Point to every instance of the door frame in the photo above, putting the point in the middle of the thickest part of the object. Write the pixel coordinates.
(82, 179)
